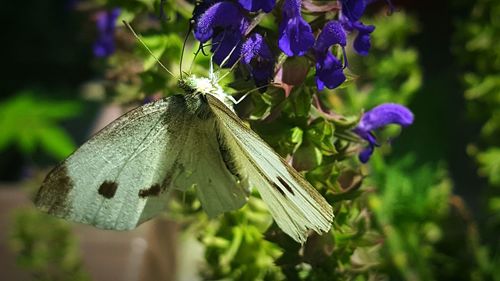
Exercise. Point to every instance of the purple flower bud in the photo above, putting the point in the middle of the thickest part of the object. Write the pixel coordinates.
(106, 23)
(377, 117)
(256, 5)
(296, 36)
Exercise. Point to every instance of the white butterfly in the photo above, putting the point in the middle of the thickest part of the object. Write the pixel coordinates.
(123, 175)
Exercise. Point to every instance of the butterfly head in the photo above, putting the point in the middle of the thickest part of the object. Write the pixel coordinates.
(205, 86)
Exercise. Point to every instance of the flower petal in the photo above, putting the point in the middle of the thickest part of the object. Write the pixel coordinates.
(291, 8)
(332, 33)
(353, 9)
(256, 5)
(366, 153)
(296, 36)
(222, 15)
(362, 42)
(258, 57)
(224, 44)
(385, 114)
(329, 71)
(106, 23)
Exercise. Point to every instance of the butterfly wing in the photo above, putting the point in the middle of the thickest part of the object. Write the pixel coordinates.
(205, 164)
(295, 205)
(123, 175)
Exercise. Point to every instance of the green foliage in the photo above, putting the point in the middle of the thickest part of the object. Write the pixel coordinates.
(28, 123)
(481, 60)
(236, 248)
(478, 50)
(45, 247)
(409, 207)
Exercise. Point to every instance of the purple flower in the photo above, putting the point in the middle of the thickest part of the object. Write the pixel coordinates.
(351, 12)
(295, 35)
(258, 57)
(255, 5)
(106, 23)
(329, 69)
(362, 42)
(377, 117)
(332, 33)
(225, 24)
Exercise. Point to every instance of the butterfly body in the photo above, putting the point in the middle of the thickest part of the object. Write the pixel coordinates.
(124, 174)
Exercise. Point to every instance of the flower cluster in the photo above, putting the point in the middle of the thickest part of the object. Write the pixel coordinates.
(226, 23)
(106, 24)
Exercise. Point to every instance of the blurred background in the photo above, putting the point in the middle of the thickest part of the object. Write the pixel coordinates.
(433, 199)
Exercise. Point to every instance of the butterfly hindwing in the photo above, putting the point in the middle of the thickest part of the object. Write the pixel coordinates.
(293, 202)
(206, 164)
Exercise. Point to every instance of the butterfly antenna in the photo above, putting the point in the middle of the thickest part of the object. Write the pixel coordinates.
(211, 74)
(227, 58)
(191, 22)
(248, 93)
(230, 54)
(195, 55)
(230, 70)
(147, 48)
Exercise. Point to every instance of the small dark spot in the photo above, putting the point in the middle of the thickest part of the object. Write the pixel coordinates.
(108, 189)
(278, 189)
(286, 185)
(154, 190)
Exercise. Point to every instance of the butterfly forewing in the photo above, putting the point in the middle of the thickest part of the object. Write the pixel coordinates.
(109, 180)
(293, 202)
(122, 176)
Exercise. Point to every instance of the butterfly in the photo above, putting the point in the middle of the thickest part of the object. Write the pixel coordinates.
(125, 173)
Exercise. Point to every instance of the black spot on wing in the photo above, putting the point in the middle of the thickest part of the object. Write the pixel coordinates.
(286, 185)
(108, 189)
(278, 188)
(53, 194)
(154, 190)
